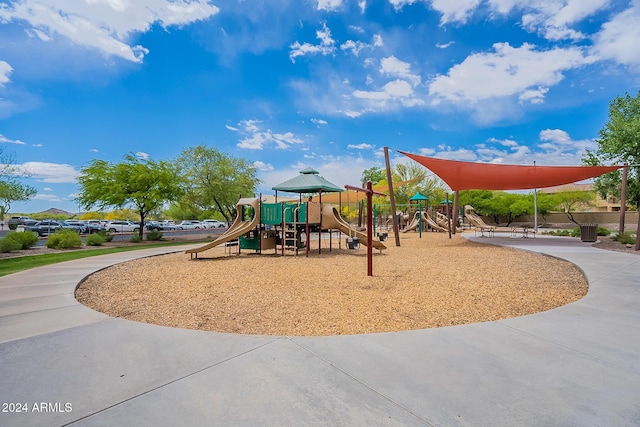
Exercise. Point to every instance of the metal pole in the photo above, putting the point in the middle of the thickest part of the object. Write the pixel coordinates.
(448, 214)
(535, 207)
(391, 197)
(369, 229)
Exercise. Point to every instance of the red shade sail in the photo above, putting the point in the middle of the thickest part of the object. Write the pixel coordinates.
(488, 176)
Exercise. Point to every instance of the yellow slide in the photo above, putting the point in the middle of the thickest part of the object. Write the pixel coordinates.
(331, 219)
(238, 228)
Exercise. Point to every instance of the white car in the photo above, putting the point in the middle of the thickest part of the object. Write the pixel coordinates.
(122, 227)
(189, 225)
(213, 223)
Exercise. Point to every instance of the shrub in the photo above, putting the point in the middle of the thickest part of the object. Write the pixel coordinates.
(575, 232)
(154, 235)
(135, 238)
(64, 239)
(626, 238)
(94, 239)
(106, 235)
(601, 231)
(9, 245)
(26, 239)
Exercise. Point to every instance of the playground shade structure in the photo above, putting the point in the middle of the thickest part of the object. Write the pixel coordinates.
(488, 176)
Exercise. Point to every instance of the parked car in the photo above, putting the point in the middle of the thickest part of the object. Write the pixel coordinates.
(189, 225)
(78, 228)
(94, 226)
(17, 220)
(44, 228)
(213, 223)
(80, 224)
(118, 226)
(153, 225)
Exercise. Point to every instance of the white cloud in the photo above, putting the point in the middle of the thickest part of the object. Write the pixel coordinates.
(255, 138)
(104, 25)
(454, 11)
(5, 72)
(392, 66)
(618, 39)
(142, 155)
(329, 5)
(355, 47)
(362, 4)
(262, 166)
(231, 128)
(534, 96)
(5, 140)
(444, 45)
(326, 46)
(47, 198)
(551, 18)
(319, 121)
(524, 72)
(50, 172)
(361, 146)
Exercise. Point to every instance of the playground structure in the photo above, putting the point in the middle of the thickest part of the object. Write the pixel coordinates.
(425, 217)
(479, 225)
(262, 226)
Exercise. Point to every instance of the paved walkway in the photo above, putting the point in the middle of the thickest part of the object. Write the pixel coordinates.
(577, 365)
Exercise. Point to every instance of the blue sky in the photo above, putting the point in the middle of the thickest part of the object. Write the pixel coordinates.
(307, 83)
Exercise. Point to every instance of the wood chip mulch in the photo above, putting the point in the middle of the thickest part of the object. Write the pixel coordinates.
(427, 282)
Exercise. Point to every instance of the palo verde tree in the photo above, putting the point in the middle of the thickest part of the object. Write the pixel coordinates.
(142, 183)
(215, 180)
(619, 143)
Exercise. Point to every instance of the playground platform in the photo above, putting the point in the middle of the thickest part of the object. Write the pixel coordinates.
(576, 365)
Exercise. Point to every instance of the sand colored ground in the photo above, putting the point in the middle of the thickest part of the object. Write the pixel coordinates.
(427, 282)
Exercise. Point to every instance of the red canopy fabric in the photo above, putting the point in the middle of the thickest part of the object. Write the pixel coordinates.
(488, 176)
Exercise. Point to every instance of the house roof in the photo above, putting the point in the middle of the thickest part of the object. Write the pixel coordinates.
(488, 176)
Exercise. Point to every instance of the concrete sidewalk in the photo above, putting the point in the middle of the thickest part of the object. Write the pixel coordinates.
(577, 365)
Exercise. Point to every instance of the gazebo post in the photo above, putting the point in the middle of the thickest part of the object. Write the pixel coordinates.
(455, 210)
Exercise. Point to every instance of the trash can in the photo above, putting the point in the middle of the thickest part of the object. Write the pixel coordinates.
(589, 232)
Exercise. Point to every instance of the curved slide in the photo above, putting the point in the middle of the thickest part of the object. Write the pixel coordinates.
(332, 219)
(238, 228)
(426, 218)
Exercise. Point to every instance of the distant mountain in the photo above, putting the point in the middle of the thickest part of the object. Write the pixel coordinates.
(55, 211)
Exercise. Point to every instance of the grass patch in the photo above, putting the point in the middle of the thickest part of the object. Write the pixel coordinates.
(13, 265)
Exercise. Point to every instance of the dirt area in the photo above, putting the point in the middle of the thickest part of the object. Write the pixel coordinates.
(427, 282)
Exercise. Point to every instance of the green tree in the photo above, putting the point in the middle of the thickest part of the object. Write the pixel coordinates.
(498, 205)
(10, 189)
(145, 184)
(13, 191)
(570, 201)
(618, 143)
(373, 174)
(215, 180)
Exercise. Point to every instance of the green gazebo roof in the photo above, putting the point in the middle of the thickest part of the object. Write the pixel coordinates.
(307, 182)
(418, 197)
